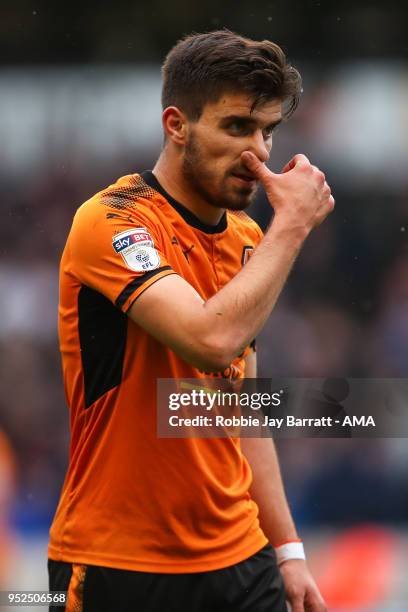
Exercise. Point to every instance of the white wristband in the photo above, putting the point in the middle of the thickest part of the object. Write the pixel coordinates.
(291, 550)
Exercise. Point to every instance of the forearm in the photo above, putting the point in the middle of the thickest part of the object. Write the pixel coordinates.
(301, 200)
(209, 334)
(267, 490)
(239, 310)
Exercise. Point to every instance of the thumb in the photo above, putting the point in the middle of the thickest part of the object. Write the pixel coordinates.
(297, 605)
(256, 167)
(299, 160)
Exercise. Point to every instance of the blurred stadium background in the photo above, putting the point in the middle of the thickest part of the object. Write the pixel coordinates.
(80, 106)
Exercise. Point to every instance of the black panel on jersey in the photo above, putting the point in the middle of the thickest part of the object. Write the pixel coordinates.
(102, 336)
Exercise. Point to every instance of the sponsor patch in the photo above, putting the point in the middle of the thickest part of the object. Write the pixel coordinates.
(136, 247)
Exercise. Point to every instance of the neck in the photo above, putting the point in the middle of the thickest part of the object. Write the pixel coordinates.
(168, 172)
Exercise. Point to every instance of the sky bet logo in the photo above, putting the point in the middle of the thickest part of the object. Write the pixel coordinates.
(136, 248)
(126, 239)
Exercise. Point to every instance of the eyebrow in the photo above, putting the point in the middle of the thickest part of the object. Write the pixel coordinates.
(247, 120)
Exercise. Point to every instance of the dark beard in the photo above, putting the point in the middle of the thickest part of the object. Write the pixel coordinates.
(198, 179)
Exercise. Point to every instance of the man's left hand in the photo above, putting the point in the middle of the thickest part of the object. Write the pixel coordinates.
(301, 590)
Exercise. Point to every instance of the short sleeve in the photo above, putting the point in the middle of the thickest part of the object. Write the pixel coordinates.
(119, 256)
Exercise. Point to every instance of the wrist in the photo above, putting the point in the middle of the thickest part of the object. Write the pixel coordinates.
(294, 235)
(290, 550)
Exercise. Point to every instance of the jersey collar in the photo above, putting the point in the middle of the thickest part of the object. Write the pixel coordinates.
(187, 215)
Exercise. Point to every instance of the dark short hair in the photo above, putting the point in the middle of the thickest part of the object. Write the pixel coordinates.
(202, 67)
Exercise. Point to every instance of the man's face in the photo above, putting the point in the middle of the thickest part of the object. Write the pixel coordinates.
(212, 154)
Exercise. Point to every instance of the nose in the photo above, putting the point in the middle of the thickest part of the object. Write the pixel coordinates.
(259, 146)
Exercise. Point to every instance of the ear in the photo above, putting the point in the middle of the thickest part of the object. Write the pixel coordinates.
(175, 124)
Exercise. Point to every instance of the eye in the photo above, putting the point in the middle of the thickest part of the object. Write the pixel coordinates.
(237, 128)
(267, 132)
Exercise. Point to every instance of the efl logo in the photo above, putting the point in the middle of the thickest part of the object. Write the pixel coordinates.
(129, 237)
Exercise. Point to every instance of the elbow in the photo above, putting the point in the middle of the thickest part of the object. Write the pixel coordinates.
(215, 354)
(212, 363)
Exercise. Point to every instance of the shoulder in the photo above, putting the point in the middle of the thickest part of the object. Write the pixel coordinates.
(244, 225)
(129, 200)
(127, 193)
(123, 213)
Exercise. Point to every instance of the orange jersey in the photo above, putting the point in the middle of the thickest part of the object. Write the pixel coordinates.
(131, 500)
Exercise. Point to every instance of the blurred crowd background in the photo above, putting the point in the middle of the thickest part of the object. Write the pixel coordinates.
(80, 106)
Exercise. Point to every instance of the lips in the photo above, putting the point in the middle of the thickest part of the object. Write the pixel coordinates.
(244, 177)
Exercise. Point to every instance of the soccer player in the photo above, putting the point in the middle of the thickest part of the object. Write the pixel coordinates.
(153, 286)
